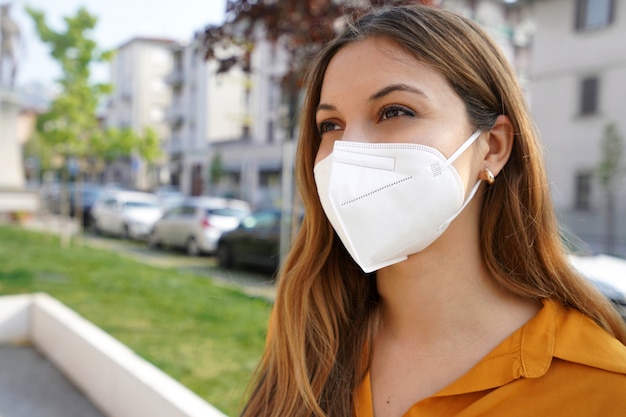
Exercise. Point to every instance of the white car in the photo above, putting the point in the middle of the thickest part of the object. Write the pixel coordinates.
(129, 214)
(607, 274)
(198, 223)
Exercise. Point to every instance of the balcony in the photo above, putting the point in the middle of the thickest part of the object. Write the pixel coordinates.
(175, 78)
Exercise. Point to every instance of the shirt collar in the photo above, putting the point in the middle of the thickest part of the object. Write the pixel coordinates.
(553, 333)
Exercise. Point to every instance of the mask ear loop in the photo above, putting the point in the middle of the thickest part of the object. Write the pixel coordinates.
(453, 158)
(463, 147)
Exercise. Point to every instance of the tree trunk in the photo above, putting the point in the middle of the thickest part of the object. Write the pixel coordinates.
(609, 243)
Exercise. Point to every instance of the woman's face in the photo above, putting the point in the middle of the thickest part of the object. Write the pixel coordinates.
(375, 92)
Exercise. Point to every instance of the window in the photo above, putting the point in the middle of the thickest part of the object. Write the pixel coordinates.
(589, 96)
(594, 14)
(583, 191)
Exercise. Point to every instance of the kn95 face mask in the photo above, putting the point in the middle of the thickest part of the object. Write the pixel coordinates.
(389, 200)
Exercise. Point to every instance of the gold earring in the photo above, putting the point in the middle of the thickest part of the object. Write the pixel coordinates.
(487, 175)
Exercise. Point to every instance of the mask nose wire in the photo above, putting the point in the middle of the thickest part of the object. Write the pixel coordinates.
(463, 148)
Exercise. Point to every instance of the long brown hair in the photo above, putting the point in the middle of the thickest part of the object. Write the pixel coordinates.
(326, 307)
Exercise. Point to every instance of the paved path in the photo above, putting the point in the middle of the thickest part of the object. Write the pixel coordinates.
(32, 387)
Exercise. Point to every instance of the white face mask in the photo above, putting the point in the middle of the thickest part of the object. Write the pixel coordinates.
(389, 200)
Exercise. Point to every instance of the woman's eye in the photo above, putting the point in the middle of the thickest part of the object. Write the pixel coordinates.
(395, 111)
(325, 127)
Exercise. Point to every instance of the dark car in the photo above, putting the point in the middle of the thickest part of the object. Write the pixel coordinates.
(79, 198)
(255, 242)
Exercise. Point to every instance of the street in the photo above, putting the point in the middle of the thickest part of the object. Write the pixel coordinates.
(251, 282)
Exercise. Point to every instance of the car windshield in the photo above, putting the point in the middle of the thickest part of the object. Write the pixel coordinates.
(263, 219)
(229, 212)
(140, 204)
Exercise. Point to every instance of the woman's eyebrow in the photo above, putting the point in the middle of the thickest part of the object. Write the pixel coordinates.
(323, 106)
(396, 87)
(380, 94)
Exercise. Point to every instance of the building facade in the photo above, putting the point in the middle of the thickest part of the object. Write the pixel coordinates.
(140, 99)
(578, 90)
(510, 23)
(225, 127)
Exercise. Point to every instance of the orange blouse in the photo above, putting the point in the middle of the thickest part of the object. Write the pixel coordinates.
(560, 363)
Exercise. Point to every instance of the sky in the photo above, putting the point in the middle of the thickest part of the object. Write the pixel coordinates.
(118, 22)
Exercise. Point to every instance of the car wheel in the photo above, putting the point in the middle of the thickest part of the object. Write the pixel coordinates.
(193, 249)
(125, 232)
(153, 241)
(224, 256)
(94, 228)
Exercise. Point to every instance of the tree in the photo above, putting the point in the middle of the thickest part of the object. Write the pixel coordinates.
(216, 170)
(71, 128)
(114, 143)
(71, 121)
(608, 171)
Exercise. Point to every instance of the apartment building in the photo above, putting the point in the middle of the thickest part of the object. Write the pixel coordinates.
(140, 100)
(510, 23)
(226, 137)
(578, 89)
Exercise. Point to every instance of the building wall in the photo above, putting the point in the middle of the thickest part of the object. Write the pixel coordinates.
(206, 107)
(141, 96)
(562, 58)
(225, 115)
(228, 106)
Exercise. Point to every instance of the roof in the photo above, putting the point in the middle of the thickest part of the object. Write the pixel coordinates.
(166, 42)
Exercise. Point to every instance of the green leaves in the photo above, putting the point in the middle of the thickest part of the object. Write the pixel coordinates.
(70, 128)
(71, 119)
(112, 144)
(612, 150)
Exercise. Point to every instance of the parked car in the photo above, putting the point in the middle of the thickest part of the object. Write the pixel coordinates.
(607, 273)
(79, 198)
(128, 214)
(256, 242)
(169, 196)
(198, 223)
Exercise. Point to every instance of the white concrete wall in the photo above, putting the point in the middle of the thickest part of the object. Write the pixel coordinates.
(114, 378)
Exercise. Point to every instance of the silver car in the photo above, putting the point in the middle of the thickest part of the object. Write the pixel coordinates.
(197, 224)
(129, 214)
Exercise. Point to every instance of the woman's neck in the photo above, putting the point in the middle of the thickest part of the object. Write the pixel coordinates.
(437, 297)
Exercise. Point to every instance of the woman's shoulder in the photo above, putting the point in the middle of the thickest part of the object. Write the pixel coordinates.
(579, 340)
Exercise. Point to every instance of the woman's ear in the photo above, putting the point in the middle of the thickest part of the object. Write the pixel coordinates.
(500, 144)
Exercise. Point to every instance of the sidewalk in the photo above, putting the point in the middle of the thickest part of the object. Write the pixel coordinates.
(32, 387)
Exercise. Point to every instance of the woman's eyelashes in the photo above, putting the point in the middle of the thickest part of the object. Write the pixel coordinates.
(395, 110)
(327, 126)
(386, 113)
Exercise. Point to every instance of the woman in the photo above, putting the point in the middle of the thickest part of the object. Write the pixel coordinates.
(428, 277)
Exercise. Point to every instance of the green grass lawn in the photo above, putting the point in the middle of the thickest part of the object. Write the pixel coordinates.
(207, 337)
